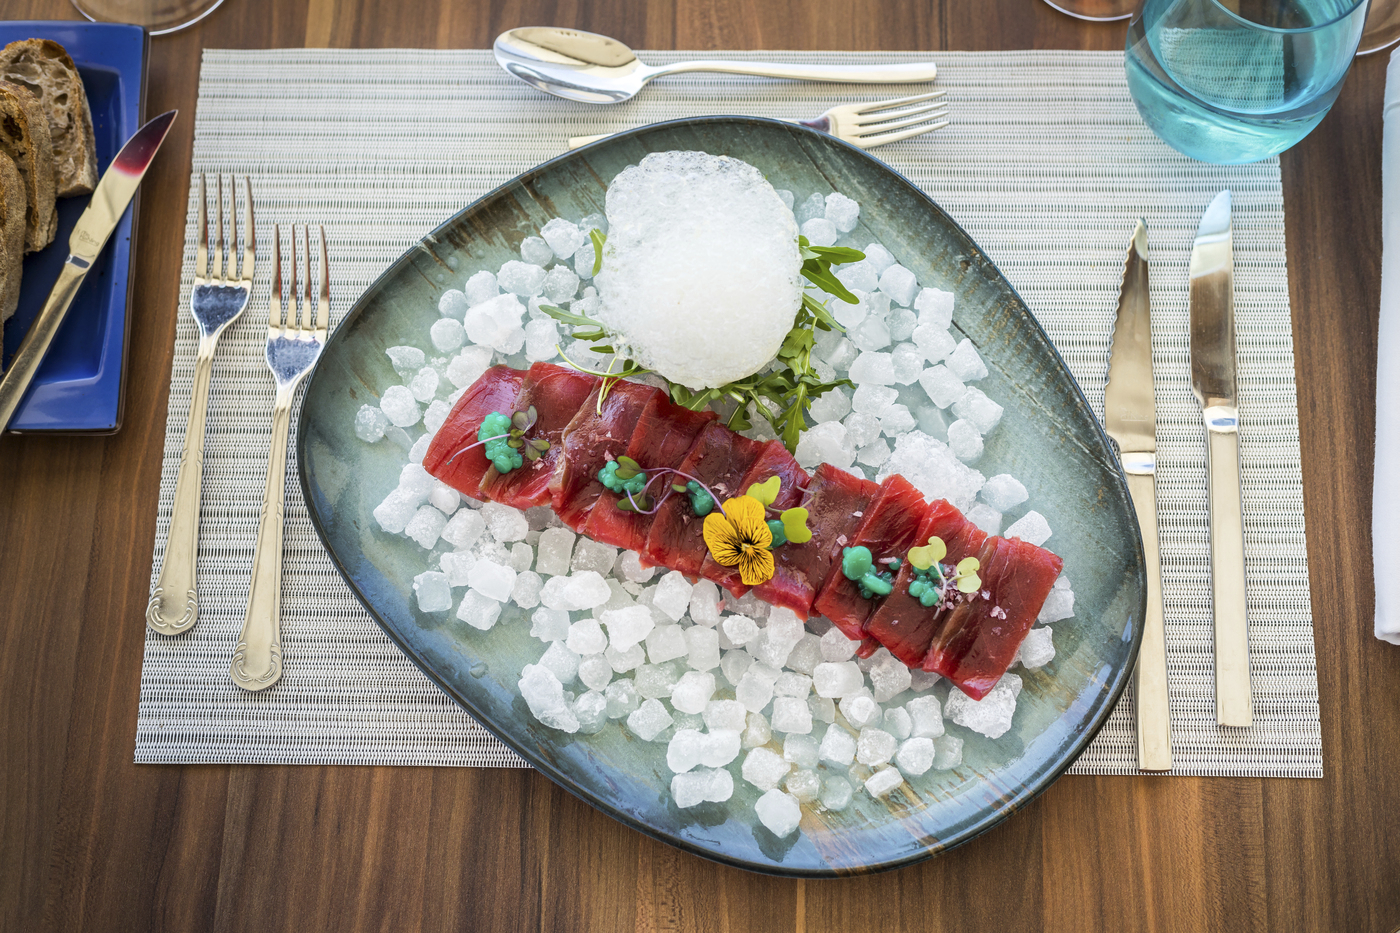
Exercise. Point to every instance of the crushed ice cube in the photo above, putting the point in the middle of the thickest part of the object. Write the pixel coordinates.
(622, 698)
(932, 468)
(478, 611)
(466, 367)
(861, 710)
(630, 566)
(1031, 527)
(406, 360)
(649, 720)
(481, 287)
(549, 624)
(837, 679)
(964, 441)
(624, 661)
(1037, 650)
(666, 643)
(447, 334)
(526, 591)
(696, 787)
(555, 551)
(400, 406)
(433, 591)
(780, 812)
(456, 564)
(1003, 492)
(859, 275)
(444, 498)
(900, 284)
(873, 367)
(505, 523)
(702, 648)
(870, 334)
(595, 672)
(842, 211)
(991, 716)
(966, 363)
(591, 710)
(805, 785)
(985, 517)
(757, 732)
(370, 423)
(562, 662)
(898, 723)
(593, 555)
(495, 323)
(801, 749)
(915, 756)
(941, 385)
(419, 450)
(692, 692)
(586, 637)
(563, 237)
(791, 715)
(934, 343)
(935, 307)
(544, 694)
(426, 526)
(541, 340)
(826, 443)
(883, 781)
(523, 279)
(908, 363)
(888, 677)
(861, 429)
(838, 746)
(875, 746)
(1058, 605)
(836, 793)
(433, 419)
(873, 400)
(820, 232)
(673, 595)
(464, 528)
(947, 752)
(897, 420)
(491, 579)
(755, 688)
(830, 406)
(627, 627)
(740, 629)
(814, 206)
(535, 251)
(974, 405)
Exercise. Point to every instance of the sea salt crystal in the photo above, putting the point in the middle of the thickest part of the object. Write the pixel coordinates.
(915, 756)
(882, 782)
(447, 334)
(406, 360)
(846, 314)
(549, 624)
(526, 591)
(900, 284)
(829, 406)
(1004, 492)
(861, 710)
(704, 604)
(964, 441)
(801, 749)
(974, 405)
(505, 523)
(560, 284)
(467, 367)
(861, 428)
(370, 423)
(836, 793)
(934, 343)
(935, 307)
(966, 363)
(791, 715)
(779, 812)
(624, 661)
(585, 258)
(783, 632)
(873, 367)
(870, 334)
(478, 611)
(544, 694)
(630, 566)
(444, 498)
(622, 698)
(586, 637)
(902, 322)
(433, 591)
(842, 211)
(813, 206)
(898, 723)
(837, 679)
(419, 450)
(991, 716)
(562, 662)
(941, 385)
(595, 672)
(740, 629)
(947, 752)
(523, 279)
(563, 237)
(703, 784)
(805, 656)
(888, 677)
(875, 453)
(755, 688)
(593, 555)
(491, 579)
(666, 643)
(521, 556)
(932, 468)
(673, 595)
(837, 746)
(734, 663)
(785, 195)
(433, 419)
(535, 251)
(907, 361)
(702, 648)
(1037, 650)
(985, 517)
(426, 526)
(825, 443)
(627, 627)
(464, 528)
(859, 275)
(920, 680)
(481, 287)
(591, 710)
(586, 590)
(649, 720)
(1031, 527)
(400, 406)
(555, 551)
(1058, 605)
(875, 746)
(456, 564)
(820, 232)
(541, 340)
(757, 733)
(897, 420)
(693, 691)
(873, 400)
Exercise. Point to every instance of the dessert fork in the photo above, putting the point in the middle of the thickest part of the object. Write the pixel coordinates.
(292, 352)
(864, 125)
(216, 301)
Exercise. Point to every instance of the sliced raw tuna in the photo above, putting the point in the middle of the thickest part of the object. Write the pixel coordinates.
(832, 500)
(556, 393)
(773, 461)
(889, 528)
(497, 390)
(664, 434)
(589, 442)
(720, 459)
(902, 623)
(979, 638)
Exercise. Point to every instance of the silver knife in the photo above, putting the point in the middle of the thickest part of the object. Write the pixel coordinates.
(1130, 417)
(1213, 383)
(109, 201)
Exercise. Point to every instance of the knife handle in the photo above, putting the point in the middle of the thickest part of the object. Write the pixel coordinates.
(41, 333)
(1233, 701)
(1150, 676)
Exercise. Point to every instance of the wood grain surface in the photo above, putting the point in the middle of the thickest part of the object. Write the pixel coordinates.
(90, 841)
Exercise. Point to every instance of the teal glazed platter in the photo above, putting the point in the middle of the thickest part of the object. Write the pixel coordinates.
(1048, 438)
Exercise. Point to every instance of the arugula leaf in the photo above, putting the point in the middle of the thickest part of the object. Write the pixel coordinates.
(599, 238)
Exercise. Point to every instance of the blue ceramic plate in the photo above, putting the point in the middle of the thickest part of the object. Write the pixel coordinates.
(1048, 437)
(80, 384)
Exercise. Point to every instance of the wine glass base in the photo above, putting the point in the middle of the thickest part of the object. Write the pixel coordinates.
(158, 16)
(1095, 11)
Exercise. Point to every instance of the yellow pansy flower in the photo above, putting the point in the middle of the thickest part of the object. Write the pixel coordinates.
(741, 537)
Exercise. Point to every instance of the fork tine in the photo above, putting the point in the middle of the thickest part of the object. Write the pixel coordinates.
(274, 305)
(249, 237)
(218, 271)
(232, 226)
(292, 285)
(885, 116)
(923, 116)
(201, 255)
(879, 139)
(306, 309)
(899, 101)
(323, 307)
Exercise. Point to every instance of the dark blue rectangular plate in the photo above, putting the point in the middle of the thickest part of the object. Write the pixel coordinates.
(80, 385)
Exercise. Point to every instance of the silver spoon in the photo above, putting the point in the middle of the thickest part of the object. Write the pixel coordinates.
(595, 69)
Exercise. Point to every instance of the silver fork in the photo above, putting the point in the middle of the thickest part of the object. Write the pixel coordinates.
(216, 302)
(292, 352)
(864, 125)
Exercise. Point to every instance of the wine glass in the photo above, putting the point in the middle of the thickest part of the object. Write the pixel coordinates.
(158, 16)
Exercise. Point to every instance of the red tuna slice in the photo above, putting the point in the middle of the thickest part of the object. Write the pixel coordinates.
(590, 440)
(889, 528)
(774, 461)
(902, 623)
(497, 390)
(664, 435)
(720, 459)
(833, 498)
(979, 638)
(556, 392)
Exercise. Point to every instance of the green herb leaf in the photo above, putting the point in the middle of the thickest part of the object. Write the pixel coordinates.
(599, 238)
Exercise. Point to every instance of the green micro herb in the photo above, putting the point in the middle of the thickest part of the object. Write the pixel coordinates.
(783, 393)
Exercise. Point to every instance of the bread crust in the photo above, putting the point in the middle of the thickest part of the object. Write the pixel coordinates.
(47, 71)
(14, 204)
(24, 136)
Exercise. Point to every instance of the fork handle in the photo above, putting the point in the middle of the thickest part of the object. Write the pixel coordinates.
(257, 660)
(174, 605)
(577, 142)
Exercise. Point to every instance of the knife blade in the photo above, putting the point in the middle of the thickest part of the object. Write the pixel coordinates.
(1130, 418)
(1213, 384)
(109, 201)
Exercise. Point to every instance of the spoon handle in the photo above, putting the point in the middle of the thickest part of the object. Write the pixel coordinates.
(913, 73)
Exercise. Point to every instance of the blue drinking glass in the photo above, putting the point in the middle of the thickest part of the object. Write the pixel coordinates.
(1230, 85)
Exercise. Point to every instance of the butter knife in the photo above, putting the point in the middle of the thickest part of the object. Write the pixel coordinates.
(1213, 383)
(1130, 417)
(114, 192)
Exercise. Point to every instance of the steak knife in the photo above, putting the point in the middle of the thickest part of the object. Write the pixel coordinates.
(109, 201)
(1130, 417)
(1213, 383)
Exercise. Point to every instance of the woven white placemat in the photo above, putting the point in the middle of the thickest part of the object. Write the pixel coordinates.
(1047, 165)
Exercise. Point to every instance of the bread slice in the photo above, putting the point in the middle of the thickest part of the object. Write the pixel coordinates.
(13, 206)
(42, 66)
(24, 137)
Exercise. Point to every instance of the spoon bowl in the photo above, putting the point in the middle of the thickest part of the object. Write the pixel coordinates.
(594, 69)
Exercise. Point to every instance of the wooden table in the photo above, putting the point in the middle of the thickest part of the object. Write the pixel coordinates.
(90, 841)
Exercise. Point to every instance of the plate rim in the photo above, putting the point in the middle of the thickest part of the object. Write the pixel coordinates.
(990, 818)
